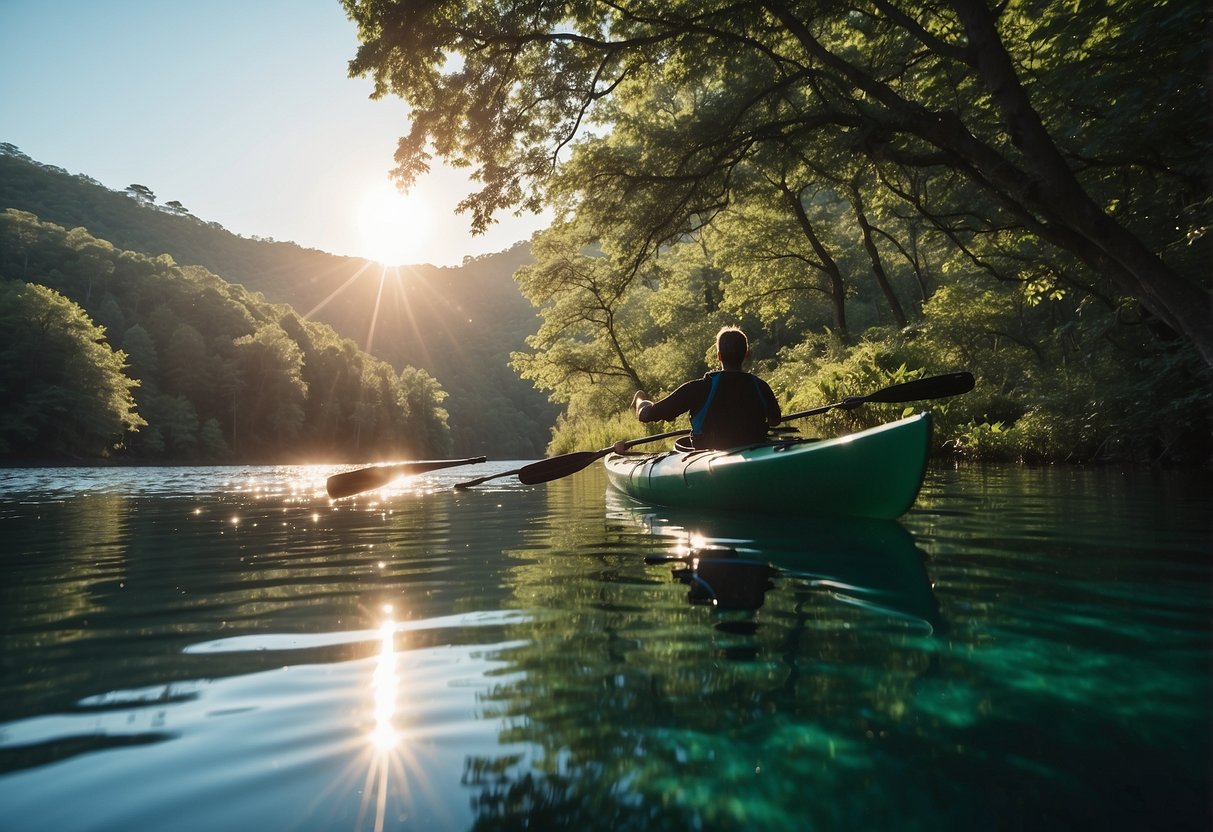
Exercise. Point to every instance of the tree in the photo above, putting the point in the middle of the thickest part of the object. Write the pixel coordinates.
(10, 149)
(606, 331)
(583, 298)
(1050, 113)
(210, 437)
(186, 368)
(209, 355)
(63, 387)
(273, 392)
(421, 400)
(141, 194)
(179, 422)
(142, 355)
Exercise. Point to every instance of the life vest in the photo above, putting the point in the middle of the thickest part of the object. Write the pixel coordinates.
(699, 419)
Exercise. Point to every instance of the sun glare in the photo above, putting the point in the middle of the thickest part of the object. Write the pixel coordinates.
(385, 685)
(393, 226)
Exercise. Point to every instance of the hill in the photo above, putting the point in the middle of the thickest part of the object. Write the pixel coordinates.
(458, 324)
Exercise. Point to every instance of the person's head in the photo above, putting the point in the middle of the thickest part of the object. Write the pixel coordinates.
(732, 348)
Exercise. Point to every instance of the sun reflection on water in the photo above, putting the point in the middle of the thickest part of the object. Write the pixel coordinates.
(385, 685)
(384, 742)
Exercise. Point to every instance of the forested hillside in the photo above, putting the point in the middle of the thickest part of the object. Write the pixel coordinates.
(457, 324)
(110, 353)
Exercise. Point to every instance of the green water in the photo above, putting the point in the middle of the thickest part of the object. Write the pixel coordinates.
(223, 648)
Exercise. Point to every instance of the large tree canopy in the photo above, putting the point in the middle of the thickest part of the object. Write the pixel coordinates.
(1079, 131)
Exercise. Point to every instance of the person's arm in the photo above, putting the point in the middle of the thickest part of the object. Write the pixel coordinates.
(681, 401)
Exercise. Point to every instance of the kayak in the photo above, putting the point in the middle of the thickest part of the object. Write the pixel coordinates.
(875, 473)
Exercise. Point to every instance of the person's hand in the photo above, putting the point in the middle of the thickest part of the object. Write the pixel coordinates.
(639, 402)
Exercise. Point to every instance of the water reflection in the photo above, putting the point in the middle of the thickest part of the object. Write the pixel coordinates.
(385, 686)
(875, 566)
(385, 738)
(715, 712)
(166, 668)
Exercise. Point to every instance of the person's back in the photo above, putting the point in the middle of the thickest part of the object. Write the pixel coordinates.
(737, 413)
(729, 408)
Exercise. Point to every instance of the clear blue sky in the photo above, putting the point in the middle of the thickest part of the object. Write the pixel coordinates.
(239, 109)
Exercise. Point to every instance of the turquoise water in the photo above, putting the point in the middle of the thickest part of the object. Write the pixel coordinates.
(223, 648)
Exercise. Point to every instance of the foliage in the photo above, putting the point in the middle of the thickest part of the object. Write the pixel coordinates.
(63, 387)
(215, 372)
(876, 191)
(607, 333)
(1038, 120)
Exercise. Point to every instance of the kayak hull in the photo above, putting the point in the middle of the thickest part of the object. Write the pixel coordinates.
(875, 473)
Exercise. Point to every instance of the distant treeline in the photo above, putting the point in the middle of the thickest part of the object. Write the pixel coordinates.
(108, 352)
(458, 325)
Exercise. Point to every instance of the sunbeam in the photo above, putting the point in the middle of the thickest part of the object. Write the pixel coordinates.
(337, 291)
(370, 333)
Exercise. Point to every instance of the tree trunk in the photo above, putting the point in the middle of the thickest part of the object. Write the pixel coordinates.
(838, 289)
(899, 315)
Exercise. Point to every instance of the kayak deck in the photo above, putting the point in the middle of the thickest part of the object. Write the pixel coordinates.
(872, 473)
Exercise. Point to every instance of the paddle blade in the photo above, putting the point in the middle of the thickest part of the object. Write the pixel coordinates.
(355, 482)
(546, 470)
(348, 483)
(935, 387)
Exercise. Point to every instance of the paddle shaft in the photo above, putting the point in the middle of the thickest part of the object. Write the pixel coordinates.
(459, 486)
(573, 459)
(349, 483)
(546, 470)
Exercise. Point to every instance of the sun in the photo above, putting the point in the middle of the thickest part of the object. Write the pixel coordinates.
(394, 227)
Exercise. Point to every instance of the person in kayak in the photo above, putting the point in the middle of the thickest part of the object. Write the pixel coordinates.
(729, 408)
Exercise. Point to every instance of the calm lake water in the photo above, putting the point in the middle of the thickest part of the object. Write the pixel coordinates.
(223, 648)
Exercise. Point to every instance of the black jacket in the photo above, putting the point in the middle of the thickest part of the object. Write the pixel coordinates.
(737, 413)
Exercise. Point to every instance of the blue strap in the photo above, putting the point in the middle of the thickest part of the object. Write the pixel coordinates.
(701, 415)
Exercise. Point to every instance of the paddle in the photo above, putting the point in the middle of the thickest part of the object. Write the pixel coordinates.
(553, 468)
(574, 462)
(935, 387)
(349, 483)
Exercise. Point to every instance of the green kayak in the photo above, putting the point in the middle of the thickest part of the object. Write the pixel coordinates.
(874, 473)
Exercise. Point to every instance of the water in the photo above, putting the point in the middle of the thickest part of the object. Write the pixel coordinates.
(201, 649)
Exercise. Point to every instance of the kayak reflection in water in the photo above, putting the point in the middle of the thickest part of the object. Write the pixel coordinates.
(729, 408)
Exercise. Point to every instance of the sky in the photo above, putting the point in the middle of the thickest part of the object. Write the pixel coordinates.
(242, 111)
